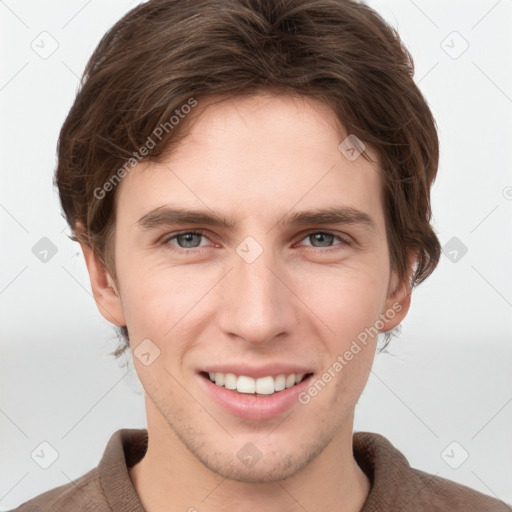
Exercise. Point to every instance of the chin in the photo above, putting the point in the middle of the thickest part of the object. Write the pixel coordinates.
(264, 470)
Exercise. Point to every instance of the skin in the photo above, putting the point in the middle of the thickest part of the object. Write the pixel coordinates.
(253, 160)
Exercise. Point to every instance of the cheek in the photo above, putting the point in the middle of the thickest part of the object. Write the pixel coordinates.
(351, 309)
(158, 300)
(348, 299)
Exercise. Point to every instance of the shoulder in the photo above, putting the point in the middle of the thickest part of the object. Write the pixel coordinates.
(444, 494)
(395, 485)
(103, 489)
(84, 494)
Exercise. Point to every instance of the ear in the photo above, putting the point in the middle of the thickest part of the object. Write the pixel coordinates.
(399, 298)
(103, 287)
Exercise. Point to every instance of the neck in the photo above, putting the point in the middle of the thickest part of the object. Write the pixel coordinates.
(170, 474)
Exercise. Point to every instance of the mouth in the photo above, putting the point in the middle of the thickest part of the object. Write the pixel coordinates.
(260, 387)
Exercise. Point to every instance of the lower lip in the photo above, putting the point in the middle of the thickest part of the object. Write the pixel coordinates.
(252, 407)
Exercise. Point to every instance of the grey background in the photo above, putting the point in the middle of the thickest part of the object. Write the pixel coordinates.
(447, 378)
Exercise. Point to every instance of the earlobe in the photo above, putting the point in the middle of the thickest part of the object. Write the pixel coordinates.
(112, 285)
(399, 298)
(103, 288)
(397, 305)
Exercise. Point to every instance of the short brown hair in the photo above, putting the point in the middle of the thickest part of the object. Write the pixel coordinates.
(165, 52)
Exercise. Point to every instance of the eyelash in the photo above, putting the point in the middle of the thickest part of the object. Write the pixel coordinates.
(177, 249)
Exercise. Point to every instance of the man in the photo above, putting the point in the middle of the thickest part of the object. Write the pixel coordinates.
(249, 182)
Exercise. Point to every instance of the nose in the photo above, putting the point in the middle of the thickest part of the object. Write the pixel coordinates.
(257, 302)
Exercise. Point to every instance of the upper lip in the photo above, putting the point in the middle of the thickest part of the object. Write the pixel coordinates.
(272, 369)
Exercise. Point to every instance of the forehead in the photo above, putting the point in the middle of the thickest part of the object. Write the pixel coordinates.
(256, 155)
(263, 121)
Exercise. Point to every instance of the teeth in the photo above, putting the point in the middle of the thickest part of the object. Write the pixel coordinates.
(262, 386)
(280, 382)
(230, 381)
(265, 386)
(245, 384)
(290, 380)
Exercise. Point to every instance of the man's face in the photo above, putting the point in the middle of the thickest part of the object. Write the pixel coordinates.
(262, 298)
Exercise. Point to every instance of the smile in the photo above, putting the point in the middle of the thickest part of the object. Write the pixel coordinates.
(255, 386)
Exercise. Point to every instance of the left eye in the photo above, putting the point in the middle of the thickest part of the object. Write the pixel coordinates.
(322, 238)
(187, 238)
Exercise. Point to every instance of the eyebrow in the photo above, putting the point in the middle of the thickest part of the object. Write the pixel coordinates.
(167, 216)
